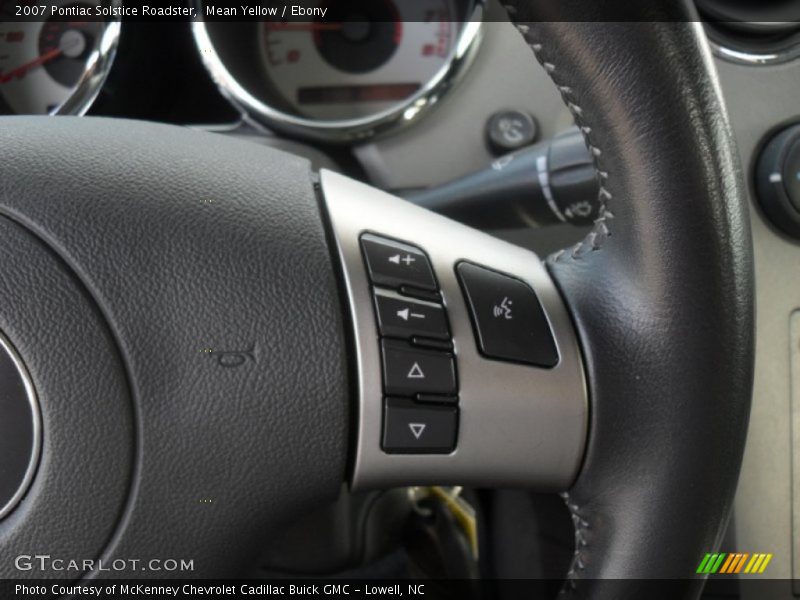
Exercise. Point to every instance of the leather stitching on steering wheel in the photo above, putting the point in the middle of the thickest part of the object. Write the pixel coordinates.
(594, 239)
(581, 525)
(658, 290)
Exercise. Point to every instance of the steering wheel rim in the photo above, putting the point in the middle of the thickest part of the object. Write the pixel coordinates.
(661, 292)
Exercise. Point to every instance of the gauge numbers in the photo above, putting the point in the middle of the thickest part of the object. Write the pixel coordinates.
(364, 58)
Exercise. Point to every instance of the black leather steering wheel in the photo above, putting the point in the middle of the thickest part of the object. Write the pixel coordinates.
(179, 302)
(661, 291)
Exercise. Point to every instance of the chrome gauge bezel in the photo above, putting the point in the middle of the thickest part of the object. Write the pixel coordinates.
(727, 52)
(739, 52)
(95, 74)
(345, 130)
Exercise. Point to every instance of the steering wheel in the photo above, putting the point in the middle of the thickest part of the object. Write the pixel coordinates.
(195, 316)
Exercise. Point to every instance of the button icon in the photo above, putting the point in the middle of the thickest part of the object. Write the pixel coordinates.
(417, 429)
(511, 130)
(503, 309)
(415, 372)
(406, 314)
(406, 260)
(580, 209)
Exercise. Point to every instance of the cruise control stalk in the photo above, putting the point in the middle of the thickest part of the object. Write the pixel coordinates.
(551, 182)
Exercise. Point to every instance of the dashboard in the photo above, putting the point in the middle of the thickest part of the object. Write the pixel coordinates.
(359, 68)
(367, 81)
(367, 87)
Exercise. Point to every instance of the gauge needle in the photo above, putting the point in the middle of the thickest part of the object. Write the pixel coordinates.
(303, 26)
(32, 64)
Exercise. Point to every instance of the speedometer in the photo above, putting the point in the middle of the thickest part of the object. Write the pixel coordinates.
(56, 66)
(365, 66)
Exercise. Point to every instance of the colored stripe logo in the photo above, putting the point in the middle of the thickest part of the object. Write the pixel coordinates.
(734, 562)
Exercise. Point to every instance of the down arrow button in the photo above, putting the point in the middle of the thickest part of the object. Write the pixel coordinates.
(411, 428)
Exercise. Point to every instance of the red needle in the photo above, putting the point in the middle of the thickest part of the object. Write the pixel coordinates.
(25, 67)
(303, 26)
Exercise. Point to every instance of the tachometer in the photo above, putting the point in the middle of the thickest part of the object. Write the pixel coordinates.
(56, 66)
(365, 65)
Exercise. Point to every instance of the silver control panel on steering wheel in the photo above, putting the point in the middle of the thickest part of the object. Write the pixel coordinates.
(468, 368)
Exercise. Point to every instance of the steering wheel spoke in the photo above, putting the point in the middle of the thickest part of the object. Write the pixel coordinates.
(495, 395)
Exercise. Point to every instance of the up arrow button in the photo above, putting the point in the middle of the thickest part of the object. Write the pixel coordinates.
(408, 371)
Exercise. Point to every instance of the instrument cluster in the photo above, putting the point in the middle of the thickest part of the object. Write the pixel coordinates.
(342, 74)
(366, 66)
